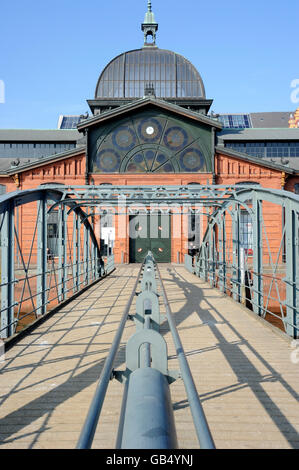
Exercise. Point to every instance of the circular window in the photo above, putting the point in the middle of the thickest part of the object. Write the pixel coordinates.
(108, 160)
(192, 160)
(175, 138)
(124, 138)
(150, 130)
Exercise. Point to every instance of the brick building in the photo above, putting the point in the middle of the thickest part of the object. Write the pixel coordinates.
(151, 125)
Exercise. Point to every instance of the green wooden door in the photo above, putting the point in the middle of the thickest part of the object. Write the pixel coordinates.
(150, 232)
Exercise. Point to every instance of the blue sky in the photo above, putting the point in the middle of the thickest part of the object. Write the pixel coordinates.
(51, 53)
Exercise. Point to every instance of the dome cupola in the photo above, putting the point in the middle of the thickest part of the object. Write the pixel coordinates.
(168, 74)
(150, 71)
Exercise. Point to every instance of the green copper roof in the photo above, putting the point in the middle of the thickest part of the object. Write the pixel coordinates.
(149, 16)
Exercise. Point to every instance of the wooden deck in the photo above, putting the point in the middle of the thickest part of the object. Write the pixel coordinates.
(242, 367)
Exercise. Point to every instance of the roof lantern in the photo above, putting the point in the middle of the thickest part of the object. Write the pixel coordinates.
(149, 27)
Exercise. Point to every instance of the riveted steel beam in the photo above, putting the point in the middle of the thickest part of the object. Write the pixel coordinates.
(7, 269)
(42, 257)
(236, 277)
(62, 253)
(258, 297)
(292, 269)
(222, 254)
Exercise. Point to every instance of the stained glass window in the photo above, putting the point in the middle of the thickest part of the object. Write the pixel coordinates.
(149, 144)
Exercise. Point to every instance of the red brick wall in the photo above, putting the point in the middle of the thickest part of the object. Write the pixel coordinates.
(68, 171)
(178, 245)
(229, 170)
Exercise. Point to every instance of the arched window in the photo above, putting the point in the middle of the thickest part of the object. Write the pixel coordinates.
(149, 143)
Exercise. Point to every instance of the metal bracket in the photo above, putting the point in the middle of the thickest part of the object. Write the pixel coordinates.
(159, 350)
(173, 375)
(155, 310)
(123, 375)
(120, 375)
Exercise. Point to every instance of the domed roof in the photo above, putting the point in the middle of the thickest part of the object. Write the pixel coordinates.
(130, 73)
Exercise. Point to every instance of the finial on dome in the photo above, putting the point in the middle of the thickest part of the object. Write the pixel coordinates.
(149, 27)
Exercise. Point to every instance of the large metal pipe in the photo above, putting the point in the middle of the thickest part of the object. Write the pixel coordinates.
(201, 425)
(89, 428)
(148, 421)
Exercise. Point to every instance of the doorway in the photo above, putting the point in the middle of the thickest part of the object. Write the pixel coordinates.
(150, 232)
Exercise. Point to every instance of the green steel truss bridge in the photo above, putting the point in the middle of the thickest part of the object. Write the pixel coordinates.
(227, 319)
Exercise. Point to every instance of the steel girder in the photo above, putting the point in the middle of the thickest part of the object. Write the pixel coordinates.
(114, 195)
(218, 199)
(286, 286)
(42, 280)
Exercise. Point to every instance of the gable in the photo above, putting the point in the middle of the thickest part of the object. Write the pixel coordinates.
(151, 140)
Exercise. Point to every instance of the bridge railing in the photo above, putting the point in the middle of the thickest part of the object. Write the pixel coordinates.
(147, 374)
(110, 264)
(47, 256)
(250, 251)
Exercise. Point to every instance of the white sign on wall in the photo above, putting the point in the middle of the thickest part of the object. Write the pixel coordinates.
(108, 235)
